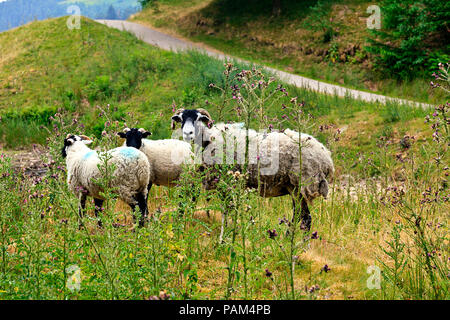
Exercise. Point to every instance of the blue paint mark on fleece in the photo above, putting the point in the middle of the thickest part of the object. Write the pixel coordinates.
(89, 154)
(129, 152)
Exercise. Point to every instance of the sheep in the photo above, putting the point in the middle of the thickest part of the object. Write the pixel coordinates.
(166, 157)
(276, 152)
(130, 181)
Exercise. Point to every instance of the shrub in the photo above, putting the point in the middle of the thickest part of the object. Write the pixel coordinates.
(412, 36)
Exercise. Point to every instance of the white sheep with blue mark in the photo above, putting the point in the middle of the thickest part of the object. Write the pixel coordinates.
(167, 157)
(130, 178)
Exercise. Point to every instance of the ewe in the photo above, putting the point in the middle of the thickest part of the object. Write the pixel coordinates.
(130, 181)
(167, 157)
(277, 154)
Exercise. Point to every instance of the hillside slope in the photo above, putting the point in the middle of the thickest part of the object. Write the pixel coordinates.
(48, 69)
(47, 66)
(322, 40)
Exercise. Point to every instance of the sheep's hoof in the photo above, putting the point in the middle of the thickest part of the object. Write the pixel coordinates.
(142, 222)
(305, 225)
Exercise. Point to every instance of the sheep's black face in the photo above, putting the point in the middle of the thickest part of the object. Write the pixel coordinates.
(190, 120)
(68, 142)
(134, 137)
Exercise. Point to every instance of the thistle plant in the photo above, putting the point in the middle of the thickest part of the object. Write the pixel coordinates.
(442, 77)
(419, 266)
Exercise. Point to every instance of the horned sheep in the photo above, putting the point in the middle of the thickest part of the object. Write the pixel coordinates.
(276, 152)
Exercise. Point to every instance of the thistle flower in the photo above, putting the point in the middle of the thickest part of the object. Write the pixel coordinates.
(163, 295)
(314, 288)
(272, 233)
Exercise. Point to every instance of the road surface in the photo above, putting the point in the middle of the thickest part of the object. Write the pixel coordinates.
(168, 42)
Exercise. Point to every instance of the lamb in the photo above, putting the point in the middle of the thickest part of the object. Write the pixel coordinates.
(167, 157)
(276, 152)
(131, 175)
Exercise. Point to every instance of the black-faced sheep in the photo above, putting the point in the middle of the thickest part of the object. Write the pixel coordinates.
(277, 154)
(167, 157)
(130, 178)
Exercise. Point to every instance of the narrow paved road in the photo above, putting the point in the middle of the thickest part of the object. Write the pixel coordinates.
(168, 42)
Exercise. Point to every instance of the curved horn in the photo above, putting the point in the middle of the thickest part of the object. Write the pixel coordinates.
(83, 137)
(173, 123)
(205, 113)
(68, 135)
(126, 130)
(142, 130)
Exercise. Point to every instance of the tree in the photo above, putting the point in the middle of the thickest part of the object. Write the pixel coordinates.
(414, 37)
(111, 14)
(276, 7)
(147, 3)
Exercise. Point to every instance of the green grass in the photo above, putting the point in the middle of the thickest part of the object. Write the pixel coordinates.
(74, 71)
(44, 252)
(80, 69)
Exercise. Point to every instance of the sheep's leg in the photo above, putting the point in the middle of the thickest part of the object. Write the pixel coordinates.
(98, 206)
(222, 228)
(142, 204)
(81, 208)
(305, 216)
(208, 199)
(224, 225)
(148, 190)
(133, 208)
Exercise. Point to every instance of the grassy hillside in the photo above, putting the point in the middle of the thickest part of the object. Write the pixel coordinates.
(48, 67)
(47, 70)
(368, 220)
(319, 39)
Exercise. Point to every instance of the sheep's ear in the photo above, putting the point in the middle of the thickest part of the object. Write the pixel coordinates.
(204, 116)
(204, 119)
(123, 135)
(176, 118)
(144, 133)
(67, 142)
